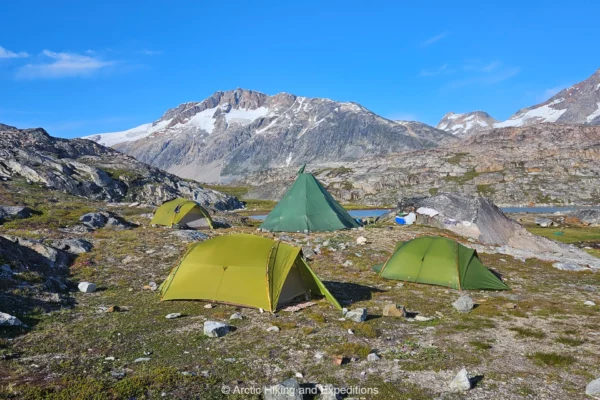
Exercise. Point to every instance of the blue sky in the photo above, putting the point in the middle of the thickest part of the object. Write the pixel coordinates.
(77, 68)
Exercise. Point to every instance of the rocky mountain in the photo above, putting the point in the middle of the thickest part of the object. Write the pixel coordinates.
(87, 169)
(541, 164)
(579, 104)
(231, 134)
(467, 124)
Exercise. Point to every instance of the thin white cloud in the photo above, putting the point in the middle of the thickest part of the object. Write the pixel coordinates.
(147, 52)
(492, 77)
(63, 65)
(434, 39)
(442, 69)
(5, 53)
(491, 66)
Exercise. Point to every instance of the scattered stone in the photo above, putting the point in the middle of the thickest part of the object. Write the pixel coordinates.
(348, 263)
(372, 357)
(589, 303)
(593, 388)
(570, 266)
(328, 392)
(273, 329)
(73, 246)
(308, 252)
(9, 320)
(461, 382)
(260, 310)
(339, 360)
(510, 306)
(393, 310)
(208, 306)
(141, 359)
(299, 375)
(189, 235)
(286, 390)
(109, 359)
(357, 315)
(544, 222)
(350, 332)
(422, 318)
(93, 220)
(236, 315)
(118, 374)
(215, 329)
(361, 240)
(86, 287)
(15, 212)
(464, 303)
(319, 355)
(173, 315)
(153, 286)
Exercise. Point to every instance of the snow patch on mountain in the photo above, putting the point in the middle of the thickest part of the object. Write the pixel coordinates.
(595, 114)
(541, 114)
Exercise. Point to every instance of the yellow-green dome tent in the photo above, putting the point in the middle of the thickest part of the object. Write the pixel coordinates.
(246, 270)
(184, 213)
(439, 261)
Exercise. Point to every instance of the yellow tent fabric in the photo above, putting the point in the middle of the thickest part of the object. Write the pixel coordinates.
(246, 270)
(179, 212)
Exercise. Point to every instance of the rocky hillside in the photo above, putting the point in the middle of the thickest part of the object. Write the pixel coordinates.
(87, 169)
(579, 104)
(467, 124)
(541, 164)
(231, 134)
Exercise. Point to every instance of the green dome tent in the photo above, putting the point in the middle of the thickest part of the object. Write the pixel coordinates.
(245, 270)
(182, 212)
(308, 206)
(439, 261)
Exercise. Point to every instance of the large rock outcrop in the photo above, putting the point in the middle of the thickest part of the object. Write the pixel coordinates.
(479, 218)
(84, 168)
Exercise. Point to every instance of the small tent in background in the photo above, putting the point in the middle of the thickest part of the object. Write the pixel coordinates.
(308, 206)
(245, 270)
(184, 213)
(439, 261)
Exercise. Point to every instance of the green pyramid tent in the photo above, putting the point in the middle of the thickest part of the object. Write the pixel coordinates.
(439, 261)
(246, 270)
(308, 206)
(182, 212)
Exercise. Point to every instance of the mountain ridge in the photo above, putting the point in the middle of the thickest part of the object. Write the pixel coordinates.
(233, 133)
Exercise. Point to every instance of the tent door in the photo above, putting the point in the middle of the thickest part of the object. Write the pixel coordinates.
(194, 220)
(293, 288)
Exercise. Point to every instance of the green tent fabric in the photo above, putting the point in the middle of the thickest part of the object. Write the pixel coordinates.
(308, 206)
(439, 261)
(182, 212)
(245, 270)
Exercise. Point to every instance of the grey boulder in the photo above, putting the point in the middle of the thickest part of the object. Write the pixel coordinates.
(215, 329)
(86, 287)
(286, 390)
(9, 320)
(593, 388)
(357, 315)
(463, 304)
(73, 246)
(461, 382)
